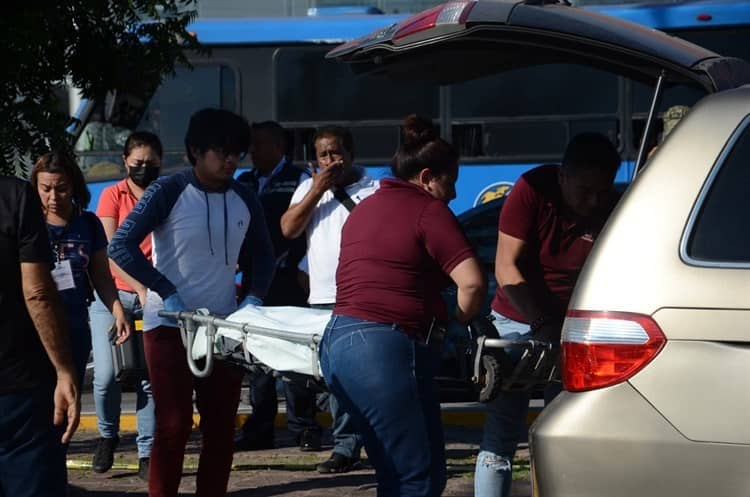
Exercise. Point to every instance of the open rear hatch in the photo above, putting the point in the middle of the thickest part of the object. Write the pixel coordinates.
(467, 39)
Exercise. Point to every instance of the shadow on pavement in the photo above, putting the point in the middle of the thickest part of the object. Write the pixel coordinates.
(359, 481)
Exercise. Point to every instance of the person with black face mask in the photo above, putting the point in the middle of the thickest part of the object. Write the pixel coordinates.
(142, 159)
(143, 175)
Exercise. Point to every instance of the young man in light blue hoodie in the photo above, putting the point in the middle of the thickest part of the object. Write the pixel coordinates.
(204, 225)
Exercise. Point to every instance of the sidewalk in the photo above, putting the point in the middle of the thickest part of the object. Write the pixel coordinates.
(467, 414)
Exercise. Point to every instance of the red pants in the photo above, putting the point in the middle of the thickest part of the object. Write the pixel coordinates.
(217, 398)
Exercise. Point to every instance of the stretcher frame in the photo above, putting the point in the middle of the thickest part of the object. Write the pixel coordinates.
(494, 366)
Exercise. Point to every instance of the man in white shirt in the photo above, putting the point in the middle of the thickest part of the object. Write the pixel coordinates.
(319, 208)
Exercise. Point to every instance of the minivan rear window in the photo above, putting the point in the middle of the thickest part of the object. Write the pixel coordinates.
(721, 232)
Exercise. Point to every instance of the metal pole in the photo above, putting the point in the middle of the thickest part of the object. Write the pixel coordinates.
(639, 163)
(300, 338)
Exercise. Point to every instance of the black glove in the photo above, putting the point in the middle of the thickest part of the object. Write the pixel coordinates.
(549, 332)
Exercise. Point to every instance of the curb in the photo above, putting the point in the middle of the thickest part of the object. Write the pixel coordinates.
(468, 416)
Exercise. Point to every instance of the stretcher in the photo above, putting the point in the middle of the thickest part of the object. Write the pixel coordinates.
(286, 340)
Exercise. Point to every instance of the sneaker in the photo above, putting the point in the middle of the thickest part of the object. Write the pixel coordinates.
(143, 468)
(339, 464)
(309, 441)
(104, 455)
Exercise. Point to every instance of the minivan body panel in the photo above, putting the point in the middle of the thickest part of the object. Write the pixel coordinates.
(584, 443)
(697, 386)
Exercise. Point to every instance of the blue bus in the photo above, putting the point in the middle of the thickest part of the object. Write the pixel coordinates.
(502, 124)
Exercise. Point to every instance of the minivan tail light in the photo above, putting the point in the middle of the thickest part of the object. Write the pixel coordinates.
(454, 12)
(601, 349)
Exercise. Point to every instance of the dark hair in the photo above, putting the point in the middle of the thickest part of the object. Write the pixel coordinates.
(142, 139)
(422, 148)
(339, 132)
(591, 151)
(63, 163)
(217, 129)
(273, 129)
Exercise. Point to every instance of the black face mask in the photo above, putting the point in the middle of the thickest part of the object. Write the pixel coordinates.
(142, 175)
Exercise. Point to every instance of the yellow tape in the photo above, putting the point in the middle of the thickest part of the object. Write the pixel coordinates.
(138, 325)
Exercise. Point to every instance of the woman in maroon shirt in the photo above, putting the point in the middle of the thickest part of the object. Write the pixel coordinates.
(399, 248)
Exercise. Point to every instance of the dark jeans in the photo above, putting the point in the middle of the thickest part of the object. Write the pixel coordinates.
(385, 381)
(32, 459)
(300, 407)
(217, 397)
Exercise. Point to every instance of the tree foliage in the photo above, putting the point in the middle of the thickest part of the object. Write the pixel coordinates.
(96, 45)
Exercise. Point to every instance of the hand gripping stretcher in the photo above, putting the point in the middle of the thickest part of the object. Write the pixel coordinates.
(286, 339)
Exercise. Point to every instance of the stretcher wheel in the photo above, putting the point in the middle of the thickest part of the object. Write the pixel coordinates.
(491, 379)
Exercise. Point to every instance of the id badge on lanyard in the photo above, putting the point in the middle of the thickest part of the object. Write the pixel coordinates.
(63, 275)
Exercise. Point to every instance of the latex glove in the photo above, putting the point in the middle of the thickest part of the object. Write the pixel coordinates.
(251, 300)
(549, 332)
(174, 303)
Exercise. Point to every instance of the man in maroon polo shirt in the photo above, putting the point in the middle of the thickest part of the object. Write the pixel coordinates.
(546, 230)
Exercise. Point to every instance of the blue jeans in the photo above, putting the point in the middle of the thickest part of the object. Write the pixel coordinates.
(107, 392)
(32, 459)
(347, 441)
(385, 381)
(504, 427)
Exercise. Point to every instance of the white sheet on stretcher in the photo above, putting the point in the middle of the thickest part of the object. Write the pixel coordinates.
(276, 353)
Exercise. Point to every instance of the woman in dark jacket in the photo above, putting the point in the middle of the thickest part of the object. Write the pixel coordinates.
(399, 249)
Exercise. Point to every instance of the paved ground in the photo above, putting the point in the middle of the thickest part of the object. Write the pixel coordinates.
(284, 471)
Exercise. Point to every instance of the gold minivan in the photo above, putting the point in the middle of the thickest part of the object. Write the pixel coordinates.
(656, 344)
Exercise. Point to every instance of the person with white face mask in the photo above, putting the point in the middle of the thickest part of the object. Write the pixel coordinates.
(141, 157)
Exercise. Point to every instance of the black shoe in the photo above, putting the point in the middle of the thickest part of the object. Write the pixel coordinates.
(143, 468)
(309, 440)
(254, 442)
(339, 464)
(104, 455)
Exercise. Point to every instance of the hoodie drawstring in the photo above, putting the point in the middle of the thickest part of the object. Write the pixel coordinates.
(226, 254)
(208, 223)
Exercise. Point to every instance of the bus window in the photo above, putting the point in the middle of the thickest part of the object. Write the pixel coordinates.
(532, 112)
(169, 111)
(310, 88)
(373, 144)
(167, 114)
